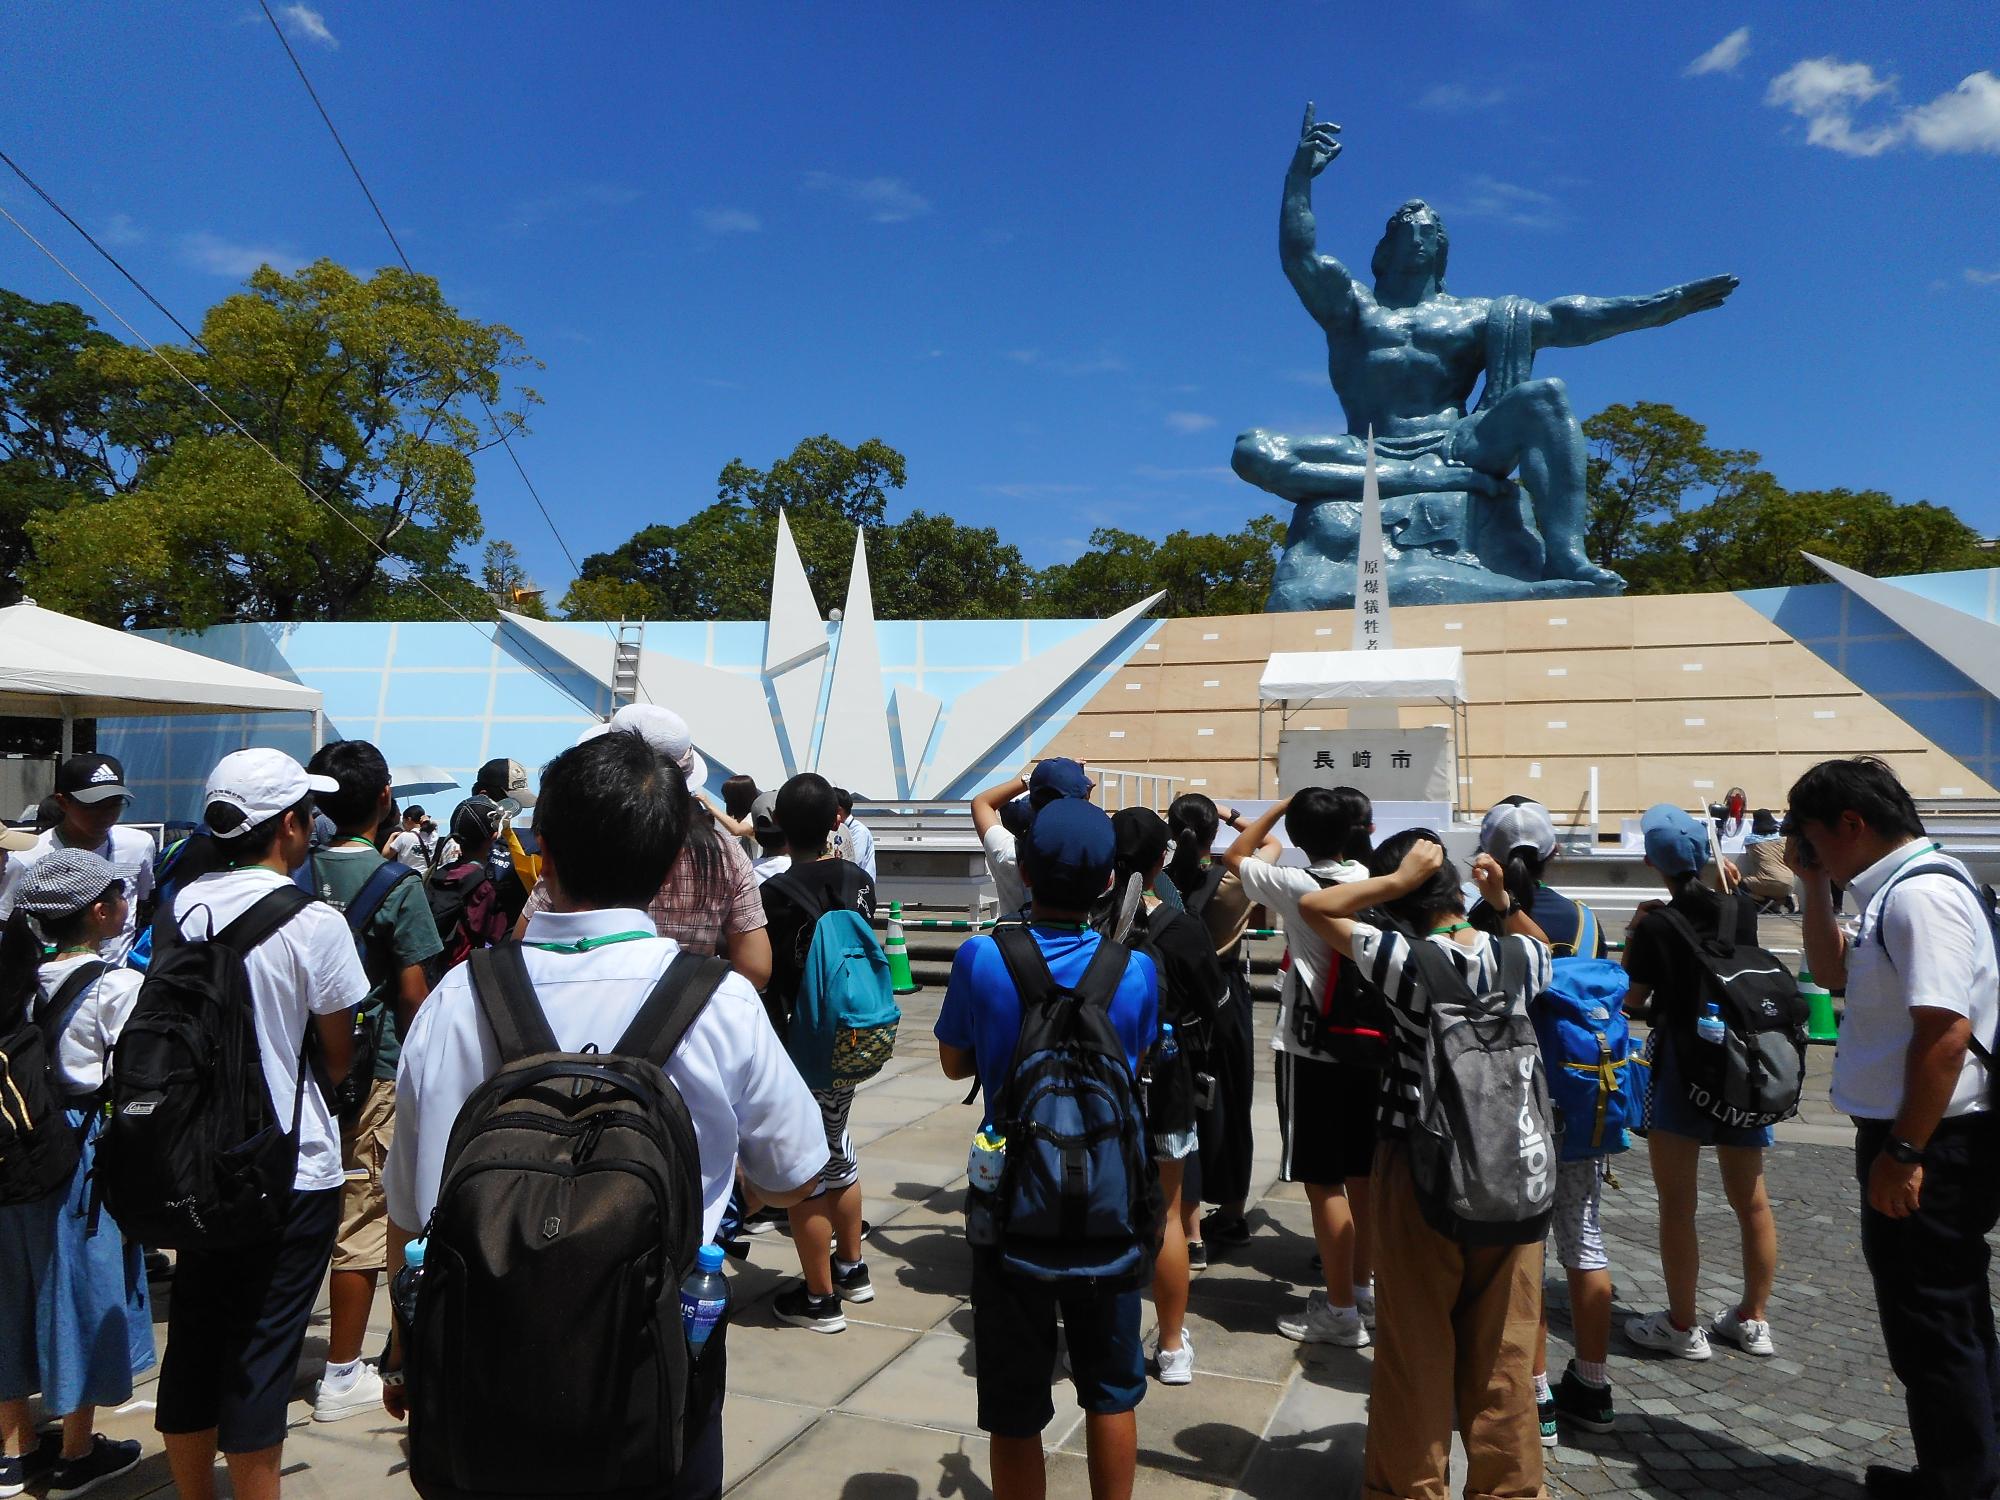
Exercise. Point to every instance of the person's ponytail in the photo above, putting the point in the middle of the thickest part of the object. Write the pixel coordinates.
(1523, 872)
(1192, 820)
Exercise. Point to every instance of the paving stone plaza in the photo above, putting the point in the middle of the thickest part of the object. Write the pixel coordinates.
(885, 1411)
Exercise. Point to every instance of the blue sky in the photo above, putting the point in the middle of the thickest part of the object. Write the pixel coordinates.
(1033, 246)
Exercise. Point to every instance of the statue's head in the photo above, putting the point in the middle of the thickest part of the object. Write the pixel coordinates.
(1414, 240)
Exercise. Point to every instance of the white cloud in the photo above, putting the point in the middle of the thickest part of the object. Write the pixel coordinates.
(121, 229)
(572, 200)
(1457, 98)
(1509, 203)
(308, 25)
(887, 200)
(1205, 471)
(1723, 56)
(221, 257)
(1033, 489)
(1981, 277)
(1189, 421)
(728, 220)
(1826, 92)
(1023, 356)
(1966, 119)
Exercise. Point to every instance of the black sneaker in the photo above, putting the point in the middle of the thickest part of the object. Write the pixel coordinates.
(853, 1285)
(1223, 1230)
(107, 1459)
(13, 1474)
(800, 1308)
(1885, 1483)
(1197, 1255)
(1587, 1405)
(1545, 1412)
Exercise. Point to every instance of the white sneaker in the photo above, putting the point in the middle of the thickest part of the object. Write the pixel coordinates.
(1751, 1335)
(1177, 1365)
(1320, 1322)
(1658, 1332)
(1364, 1303)
(337, 1404)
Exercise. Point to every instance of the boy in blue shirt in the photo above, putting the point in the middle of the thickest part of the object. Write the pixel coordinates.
(1066, 862)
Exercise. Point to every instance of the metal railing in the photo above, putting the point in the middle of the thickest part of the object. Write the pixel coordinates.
(1116, 789)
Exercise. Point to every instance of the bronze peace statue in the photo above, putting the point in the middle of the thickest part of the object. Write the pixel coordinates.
(1404, 357)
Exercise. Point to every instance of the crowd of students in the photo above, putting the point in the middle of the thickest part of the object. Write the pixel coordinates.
(410, 996)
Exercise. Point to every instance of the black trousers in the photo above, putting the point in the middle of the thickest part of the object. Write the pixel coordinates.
(1225, 1130)
(1936, 1309)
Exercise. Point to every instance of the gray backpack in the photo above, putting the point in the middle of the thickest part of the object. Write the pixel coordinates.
(1483, 1146)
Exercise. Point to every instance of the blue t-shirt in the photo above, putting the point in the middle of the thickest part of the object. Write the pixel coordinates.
(982, 1010)
(1561, 920)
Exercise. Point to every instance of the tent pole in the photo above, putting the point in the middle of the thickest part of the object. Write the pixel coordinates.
(1260, 749)
(68, 732)
(318, 730)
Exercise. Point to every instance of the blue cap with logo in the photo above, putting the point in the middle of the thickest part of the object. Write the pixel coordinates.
(1675, 843)
(1069, 851)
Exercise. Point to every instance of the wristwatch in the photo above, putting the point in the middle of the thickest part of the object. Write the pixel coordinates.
(1898, 1149)
(391, 1379)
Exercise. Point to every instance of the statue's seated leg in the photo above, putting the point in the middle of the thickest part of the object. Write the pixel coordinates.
(1532, 425)
(1316, 569)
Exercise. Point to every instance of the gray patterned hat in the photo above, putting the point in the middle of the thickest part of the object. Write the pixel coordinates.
(64, 881)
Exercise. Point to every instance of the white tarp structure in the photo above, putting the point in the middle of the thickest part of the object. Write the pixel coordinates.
(1371, 686)
(52, 666)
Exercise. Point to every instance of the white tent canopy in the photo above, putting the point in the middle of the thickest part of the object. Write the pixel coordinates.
(1414, 674)
(56, 667)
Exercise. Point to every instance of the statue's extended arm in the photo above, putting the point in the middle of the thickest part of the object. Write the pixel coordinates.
(1570, 321)
(1322, 282)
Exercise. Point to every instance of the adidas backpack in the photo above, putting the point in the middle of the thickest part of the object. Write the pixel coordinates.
(192, 1155)
(1755, 1075)
(38, 1148)
(1483, 1147)
(1078, 1205)
(569, 1215)
(844, 1016)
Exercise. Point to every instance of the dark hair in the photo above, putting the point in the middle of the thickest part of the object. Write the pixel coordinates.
(1863, 786)
(845, 798)
(21, 953)
(805, 810)
(415, 810)
(254, 847)
(615, 817)
(363, 776)
(1440, 893)
(1331, 822)
(1761, 822)
(1192, 819)
(1403, 215)
(738, 792)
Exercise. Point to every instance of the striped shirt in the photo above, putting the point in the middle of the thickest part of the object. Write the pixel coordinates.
(1385, 958)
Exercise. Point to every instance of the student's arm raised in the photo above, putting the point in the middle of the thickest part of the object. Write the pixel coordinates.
(1250, 840)
(1492, 883)
(1329, 912)
(986, 806)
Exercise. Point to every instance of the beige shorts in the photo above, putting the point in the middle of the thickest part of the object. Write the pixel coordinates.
(364, 1210)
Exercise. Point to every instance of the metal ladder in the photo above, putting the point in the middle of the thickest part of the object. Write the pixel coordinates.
(625, 663)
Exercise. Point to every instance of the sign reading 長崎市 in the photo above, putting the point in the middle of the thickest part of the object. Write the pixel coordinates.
(1390, 765)
(1371, 575)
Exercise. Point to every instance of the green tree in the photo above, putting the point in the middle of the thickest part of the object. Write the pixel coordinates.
(1646, 459)
(1201, 573)
(505, 579)
(820, 471)
(368, 389)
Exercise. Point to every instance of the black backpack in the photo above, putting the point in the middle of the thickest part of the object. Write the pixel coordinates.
(1078, 1206)
(347, 1096)
(38, 1149)
(569, 1215)
(448, 896)
(192, 1155)
(1754, 1076)
(1349, 1020)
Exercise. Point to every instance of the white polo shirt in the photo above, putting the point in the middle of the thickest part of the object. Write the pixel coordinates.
(1281, 888)
(308, 967)
(1003, 863)
(1938, 955)
(123, 846)
(746, 1098)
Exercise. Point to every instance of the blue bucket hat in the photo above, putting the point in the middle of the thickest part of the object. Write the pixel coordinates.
(1675, 843)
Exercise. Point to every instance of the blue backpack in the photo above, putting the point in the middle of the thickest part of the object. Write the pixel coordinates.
(1587, 1047)
(1078, 1205)
(844, 1017)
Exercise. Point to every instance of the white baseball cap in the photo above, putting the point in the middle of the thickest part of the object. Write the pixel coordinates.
(668, 733)
(1518, 825)
(260, 784)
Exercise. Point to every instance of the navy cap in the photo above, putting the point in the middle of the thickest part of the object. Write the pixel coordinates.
(1059, 778)
(1675, 843)
(1069, 851)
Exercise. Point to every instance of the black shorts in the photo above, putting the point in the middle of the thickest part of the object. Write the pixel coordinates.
(1014, 1350)
(1326, 1117)
(237, 1325)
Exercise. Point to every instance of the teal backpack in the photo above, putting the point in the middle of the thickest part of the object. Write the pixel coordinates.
(845, 1016)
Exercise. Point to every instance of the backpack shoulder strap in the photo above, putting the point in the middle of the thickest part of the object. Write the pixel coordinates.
(1682, 927)
(1513, 966)
(1106, 971)
(1949, 873)
(1197, 900)
(266, 916)
(800, 895)
(374, 891)
(507, 999)
(1438, 973)
(676, 1002)
(1026, 965)
(1586, 931)
(63, 1003)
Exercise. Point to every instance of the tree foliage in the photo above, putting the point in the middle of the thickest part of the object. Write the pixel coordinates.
(166, 514)
(1201, 573)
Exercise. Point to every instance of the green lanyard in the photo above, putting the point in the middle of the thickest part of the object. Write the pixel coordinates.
(586, 945)
(1448, 931)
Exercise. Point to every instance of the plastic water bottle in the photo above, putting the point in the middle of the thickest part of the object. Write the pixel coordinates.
(1709, 1028)
(988, 1158)
(1170, 1046)
(704, 1297)
(403, 1288)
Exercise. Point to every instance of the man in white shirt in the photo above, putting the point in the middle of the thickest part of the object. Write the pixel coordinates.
(90, 790)
(851, 838)
(238, 1319)
(1914, 1070)
(612, 818)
